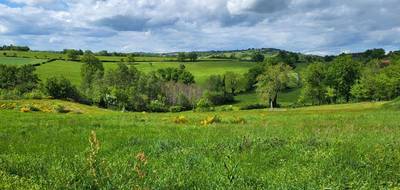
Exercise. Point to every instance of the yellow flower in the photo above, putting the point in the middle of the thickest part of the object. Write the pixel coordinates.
(25, 110)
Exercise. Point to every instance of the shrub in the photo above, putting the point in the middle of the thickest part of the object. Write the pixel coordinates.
(219, 98)
(157, 106)
(60, 109)
(25, 109)
(238, 120)
(61, 88)
(175, 109)
(203, 105)
(180, 119)
(35, 94)
(29, 108)
(211, 120)
(9, 94)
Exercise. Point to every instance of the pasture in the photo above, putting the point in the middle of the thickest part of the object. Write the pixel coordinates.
(201, 70)
(17, 61)
(329, 147)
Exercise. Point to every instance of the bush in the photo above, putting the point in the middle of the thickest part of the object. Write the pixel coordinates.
(29, 108)
(157, 106)
(10, 94)
(35, 94)
(219, 98)
(180, 119)
(175, 109)
(61, 88)
(211, 120)
(60, 109)
(239, 120)
(203, 105)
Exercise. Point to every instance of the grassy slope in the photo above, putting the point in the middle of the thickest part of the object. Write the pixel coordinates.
(201, 70)
(343, 146)
(68, 69)
(35, 54)
(19, 61)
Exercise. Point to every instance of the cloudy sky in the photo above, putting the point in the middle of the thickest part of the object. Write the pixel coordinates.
(308, 26)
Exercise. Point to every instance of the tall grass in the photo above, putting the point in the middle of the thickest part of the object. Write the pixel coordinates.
(343, 147)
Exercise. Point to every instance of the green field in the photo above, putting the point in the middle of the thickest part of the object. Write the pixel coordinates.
(19, 61)
(34, 54)
(350, 146)
(70, 70)
(201, 70)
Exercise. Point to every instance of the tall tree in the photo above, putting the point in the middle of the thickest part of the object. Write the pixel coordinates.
(232, 82)
(91, 70)
(342, 74)
(274, 80)
(314, 79)
(257, 57)
(181, 56)
(192, 56)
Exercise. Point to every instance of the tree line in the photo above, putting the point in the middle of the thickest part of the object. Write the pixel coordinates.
(344, 78)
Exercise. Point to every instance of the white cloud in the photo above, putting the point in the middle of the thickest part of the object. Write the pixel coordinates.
(319, 26)
(3, 29)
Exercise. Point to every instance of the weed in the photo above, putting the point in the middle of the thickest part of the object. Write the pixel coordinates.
(211, 120)
(238, 120)
(180, 119)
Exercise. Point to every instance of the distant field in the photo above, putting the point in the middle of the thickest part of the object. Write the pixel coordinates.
(19, 61)
(201, 70)
(138, 59)
(285, 98)
(349, 146)
(68, 69)
(34, 54)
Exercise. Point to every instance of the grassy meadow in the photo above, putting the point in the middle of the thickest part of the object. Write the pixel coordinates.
(201, 70)
(17, 61)
(349, 146)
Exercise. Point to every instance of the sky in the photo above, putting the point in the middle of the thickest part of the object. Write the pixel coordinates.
(308, 26)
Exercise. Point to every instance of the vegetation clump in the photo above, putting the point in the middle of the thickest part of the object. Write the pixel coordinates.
(211, 120)
(180, 120)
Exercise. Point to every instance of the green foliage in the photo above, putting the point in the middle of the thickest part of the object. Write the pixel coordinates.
(286, 57)
(192, 56)
(181, 56)
(378, 83)
(275, 79)
(342, 74)
(176, 75)
(157, 106)
(257, 57)
(72, 54)
(204, 104)
(234, 83)
(61, 88)
(23, 79)
(219, 98)
(130, 59)
(251, 76)
(91, 70)
(315, 86)
(215, 83)
(14, 48)
(394, 104)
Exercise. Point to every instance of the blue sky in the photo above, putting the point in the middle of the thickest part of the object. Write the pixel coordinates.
(308, 26)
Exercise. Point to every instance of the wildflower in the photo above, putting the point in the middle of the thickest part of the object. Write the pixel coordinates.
(140, 164)
(25, 110)
(180, 119)
(210, 120)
